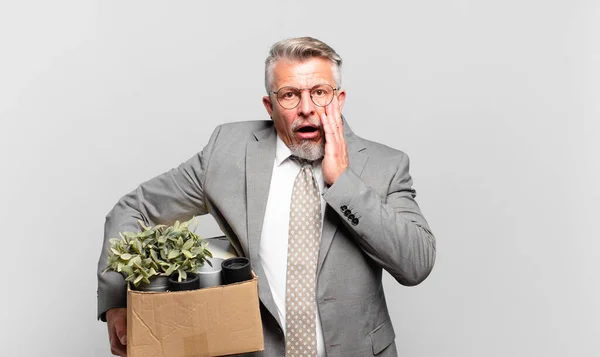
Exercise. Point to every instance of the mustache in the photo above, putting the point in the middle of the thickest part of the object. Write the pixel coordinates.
(304, 122)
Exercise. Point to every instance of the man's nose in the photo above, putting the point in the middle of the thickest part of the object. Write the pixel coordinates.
(306, 107)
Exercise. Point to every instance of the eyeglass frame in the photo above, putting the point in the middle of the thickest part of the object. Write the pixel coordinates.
(309, 93)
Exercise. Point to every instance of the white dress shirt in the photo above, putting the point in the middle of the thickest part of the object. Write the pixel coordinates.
(274, 237)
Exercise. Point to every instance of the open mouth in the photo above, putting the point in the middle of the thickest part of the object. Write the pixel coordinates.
(307, 129)
(308, 132)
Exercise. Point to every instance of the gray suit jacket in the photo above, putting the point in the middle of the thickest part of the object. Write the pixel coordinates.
(230, 179)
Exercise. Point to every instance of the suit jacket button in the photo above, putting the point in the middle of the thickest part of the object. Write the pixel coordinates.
(347, 213)
(343, 208)
(351, 217)
(355, 221)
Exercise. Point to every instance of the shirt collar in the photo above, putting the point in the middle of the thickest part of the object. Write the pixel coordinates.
(282, 152)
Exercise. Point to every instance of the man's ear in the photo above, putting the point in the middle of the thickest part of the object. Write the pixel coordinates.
(268, 105)
(341, 98)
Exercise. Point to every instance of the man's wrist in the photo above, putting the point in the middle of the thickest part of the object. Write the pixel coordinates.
(108, 313)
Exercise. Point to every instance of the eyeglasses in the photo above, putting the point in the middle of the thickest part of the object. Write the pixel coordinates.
(289, 97)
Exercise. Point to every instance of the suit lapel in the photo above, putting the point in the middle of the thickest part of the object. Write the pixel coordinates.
(260, 155)
(358, 159)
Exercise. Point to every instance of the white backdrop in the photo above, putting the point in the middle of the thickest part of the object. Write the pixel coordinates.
(496, 102)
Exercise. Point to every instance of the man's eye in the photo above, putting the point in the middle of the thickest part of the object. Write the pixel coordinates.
(320, 92)
(289, 95)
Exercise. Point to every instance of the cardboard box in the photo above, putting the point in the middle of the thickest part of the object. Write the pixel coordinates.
(216, 321)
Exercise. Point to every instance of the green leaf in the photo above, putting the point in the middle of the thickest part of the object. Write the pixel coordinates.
(153, 265)
(188, 254)
(172, 269)
(115, 252)
(137, 280)
(137, 262)
(142, 224)
(182, 274)
(174, 254)
(188, 244)
(113, 259)
(132, 244)
(125, 256)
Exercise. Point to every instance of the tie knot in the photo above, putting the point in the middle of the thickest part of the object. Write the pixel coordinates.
(303, 162)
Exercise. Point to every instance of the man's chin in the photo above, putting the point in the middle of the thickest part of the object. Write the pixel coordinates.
(308, 150)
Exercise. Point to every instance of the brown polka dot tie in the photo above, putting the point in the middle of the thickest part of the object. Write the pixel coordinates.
(303, 252)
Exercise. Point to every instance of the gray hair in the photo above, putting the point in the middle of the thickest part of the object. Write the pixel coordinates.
(301, 49)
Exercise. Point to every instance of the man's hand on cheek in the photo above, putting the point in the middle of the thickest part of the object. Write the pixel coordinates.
(335, 160)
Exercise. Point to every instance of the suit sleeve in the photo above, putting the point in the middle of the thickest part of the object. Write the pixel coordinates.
(175, 195)
(390, 230)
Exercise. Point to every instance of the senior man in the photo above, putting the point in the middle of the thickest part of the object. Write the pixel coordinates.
(301, 182)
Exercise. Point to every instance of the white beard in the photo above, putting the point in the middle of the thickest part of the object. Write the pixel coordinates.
(308, 150)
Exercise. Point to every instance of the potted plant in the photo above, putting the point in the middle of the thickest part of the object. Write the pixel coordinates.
(148, 258)
(182, 252)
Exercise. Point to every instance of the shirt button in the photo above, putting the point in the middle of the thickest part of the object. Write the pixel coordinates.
(347, 213)
(343, 208)
(351, 217)
(355, 221)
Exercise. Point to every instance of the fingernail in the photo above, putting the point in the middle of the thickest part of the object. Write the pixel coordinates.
(124, 339)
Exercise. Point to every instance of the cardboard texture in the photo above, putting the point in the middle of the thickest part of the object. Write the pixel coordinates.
(216, 321)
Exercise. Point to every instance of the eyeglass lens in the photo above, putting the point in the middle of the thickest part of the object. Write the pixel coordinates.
(289, 97)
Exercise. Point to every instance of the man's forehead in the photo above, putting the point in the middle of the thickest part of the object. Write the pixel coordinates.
(313, 69)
